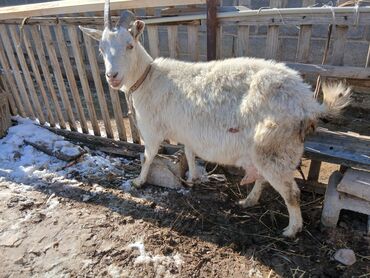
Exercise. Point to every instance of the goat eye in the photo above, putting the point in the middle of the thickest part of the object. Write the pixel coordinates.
(129, 46)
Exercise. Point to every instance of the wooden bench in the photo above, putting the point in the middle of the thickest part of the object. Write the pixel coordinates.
(350, 188)
(345, 149)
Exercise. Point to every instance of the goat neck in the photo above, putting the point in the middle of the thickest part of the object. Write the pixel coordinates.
(143, 60)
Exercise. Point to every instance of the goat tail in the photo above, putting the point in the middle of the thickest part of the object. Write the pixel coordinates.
(336, 97)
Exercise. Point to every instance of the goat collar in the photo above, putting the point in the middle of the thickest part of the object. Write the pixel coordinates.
(140, 80)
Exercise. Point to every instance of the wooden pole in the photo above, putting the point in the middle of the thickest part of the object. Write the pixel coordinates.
(211, 29)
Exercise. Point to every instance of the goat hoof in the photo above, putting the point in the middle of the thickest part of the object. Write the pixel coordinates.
(246, 203)
(291, 231)
(192, 181)
(137, 183)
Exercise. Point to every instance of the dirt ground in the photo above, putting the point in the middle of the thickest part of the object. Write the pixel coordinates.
(88, 231)
(101, 229)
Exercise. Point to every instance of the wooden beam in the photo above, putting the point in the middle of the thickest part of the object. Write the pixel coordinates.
(81, 6)
(211, 29)
(332, 71)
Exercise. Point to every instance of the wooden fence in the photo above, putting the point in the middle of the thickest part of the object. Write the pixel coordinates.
(53, 72)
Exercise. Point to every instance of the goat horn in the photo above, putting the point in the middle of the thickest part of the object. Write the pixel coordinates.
(107, 18)
(126, 18)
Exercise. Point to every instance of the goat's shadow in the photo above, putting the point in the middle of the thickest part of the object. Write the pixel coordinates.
(209, 212)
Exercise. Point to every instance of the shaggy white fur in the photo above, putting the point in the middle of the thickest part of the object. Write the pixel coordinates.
(244, 112)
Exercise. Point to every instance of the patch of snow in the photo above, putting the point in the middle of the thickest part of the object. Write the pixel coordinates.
(126, 186)
(183, 191)
(25, 165)
(114, 271)
(147, 258)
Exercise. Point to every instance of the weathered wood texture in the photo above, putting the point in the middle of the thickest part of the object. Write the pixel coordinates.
(37, 76)
(70, 76)
(76, 48)
(242, 41)
(211, 29)
(46, 74)
(5, 121)
(58, 76)
(16, 72)
(98, 85)
(9, 79)
(65, 7)
(26, 73)
(153, 41)
(173, 46)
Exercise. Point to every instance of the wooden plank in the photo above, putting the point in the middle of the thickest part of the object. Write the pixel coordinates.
(332, 71)
(278, 3)
(173, 41)
(26, 73)
(117, 110)
(96, 140)
(70, 76)
(58, 76)
(304, 43)
(219, 44)
(285, 16)
(314, 171)
(340, 35)
(272, 40)
(37, 76)
(46, 74)
(308, 3)
(76, 48)
(10, 79)
(242, 41)
(98, 85)
(16, 72)
(153, 41)
(65, 7)
(193, 42)
(211, 29)
(5, 86)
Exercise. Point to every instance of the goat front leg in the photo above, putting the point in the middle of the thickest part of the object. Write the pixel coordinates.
(193, 171)
(150, 152)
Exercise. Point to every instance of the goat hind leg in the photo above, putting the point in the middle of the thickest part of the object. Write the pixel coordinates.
(288, 189)
(254, 196)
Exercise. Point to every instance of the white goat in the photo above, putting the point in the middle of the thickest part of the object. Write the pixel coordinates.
(245, 112)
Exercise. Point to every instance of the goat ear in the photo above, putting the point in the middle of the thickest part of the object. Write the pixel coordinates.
(137, 29)
(94, 33)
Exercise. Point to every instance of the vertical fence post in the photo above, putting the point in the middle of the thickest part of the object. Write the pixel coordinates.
(211, 29)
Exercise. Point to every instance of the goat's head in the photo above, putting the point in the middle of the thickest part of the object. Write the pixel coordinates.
(118, 45)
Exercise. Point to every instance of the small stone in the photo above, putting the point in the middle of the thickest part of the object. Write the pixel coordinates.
(17, 155)
(26, 205)
(345, 256)
(38, 217)
(19, 261)
(86, 197)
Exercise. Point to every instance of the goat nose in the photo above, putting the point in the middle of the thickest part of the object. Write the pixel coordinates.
(112, 75)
